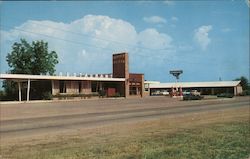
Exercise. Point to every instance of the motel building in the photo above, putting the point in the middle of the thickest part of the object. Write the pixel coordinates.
(205, 88)
(119, 83)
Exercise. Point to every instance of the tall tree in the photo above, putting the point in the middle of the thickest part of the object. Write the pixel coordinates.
(34, 59)
(243, 81)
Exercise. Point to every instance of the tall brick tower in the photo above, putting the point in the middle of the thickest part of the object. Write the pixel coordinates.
(121, 70)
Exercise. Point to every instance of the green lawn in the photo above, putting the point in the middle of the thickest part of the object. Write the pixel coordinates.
(217, 140)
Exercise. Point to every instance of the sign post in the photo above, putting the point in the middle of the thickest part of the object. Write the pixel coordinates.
(176, 73)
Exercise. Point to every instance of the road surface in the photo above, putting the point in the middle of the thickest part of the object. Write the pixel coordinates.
(18, 120)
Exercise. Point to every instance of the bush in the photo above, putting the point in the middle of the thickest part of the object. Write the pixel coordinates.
(116, 95)
(102, 93)
(5, 97)
(2, 95)
(245, 93)
(47, 96)
(68, 96)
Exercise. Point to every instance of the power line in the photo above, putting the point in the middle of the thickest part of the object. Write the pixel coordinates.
(93, 37)
(80, 34)
(138, 53)
(83, 35)
(71, 41)
(74, 42)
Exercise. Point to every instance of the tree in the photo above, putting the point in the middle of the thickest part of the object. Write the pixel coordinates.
(243, 81)
(34, 59)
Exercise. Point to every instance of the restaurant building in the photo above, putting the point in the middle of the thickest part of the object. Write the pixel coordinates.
(119, 83)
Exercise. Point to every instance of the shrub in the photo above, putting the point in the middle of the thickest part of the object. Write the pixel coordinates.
(68, 96)
(2, 95)
(245, 93)
(47, 96)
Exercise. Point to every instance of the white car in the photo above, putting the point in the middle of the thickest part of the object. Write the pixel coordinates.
(186, 92)
(164, 92)
(195, 92)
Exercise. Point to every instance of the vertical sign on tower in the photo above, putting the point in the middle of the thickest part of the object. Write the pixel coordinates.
(121, 70)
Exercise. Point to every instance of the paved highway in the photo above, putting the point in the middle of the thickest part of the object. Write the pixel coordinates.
(58, 122)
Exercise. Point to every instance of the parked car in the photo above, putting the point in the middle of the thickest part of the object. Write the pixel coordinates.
(192, 97)
(165, 92)
(225, 95)
(160, 93)
(155, 93)
(186, 92)
(195, 92)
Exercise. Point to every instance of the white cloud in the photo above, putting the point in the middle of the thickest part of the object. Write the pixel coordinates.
(185, 47)
(154, 39)
(247, 2)
(175, 19)
(168, 2)
(201, 36)
(226, 30)
(155, 19)
(86, 44)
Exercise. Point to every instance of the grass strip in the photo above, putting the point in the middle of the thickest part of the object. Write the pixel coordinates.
(229, 140)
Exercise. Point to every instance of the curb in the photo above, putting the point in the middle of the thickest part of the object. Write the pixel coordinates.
(53, 101)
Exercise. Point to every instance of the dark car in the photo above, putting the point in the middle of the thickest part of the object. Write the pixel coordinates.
(192, 97)
(225, 95)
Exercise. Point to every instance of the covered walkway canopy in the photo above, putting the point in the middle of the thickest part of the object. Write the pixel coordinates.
(27, 78)
(235, 85)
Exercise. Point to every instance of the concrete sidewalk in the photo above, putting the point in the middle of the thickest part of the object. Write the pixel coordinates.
(51, 101)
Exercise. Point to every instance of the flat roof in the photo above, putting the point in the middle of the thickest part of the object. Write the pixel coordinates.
(151, 82)
(45, 77)
(196, 84)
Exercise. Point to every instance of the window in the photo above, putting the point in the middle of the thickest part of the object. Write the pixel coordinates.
(62, 86)
(80, 87)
